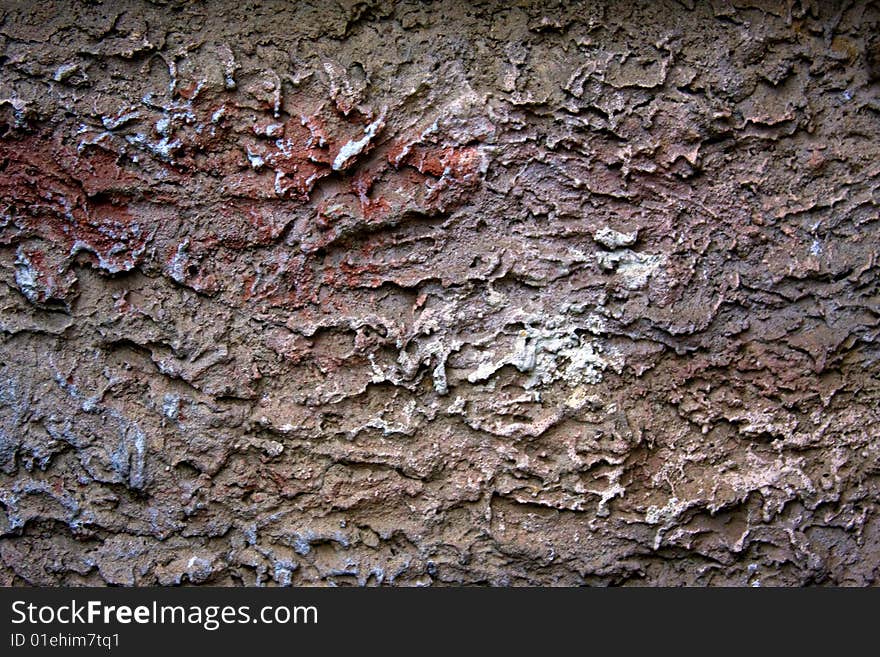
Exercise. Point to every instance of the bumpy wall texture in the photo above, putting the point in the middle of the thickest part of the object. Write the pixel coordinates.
(374, 293)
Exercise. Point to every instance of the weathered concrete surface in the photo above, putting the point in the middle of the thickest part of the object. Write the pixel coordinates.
(361, 293)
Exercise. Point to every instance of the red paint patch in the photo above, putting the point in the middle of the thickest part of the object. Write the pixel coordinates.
(53, 202)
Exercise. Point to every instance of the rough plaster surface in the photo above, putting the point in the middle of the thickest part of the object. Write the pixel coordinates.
(362, 293)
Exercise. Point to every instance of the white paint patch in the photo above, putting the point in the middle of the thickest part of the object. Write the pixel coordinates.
(26, 277)
(178, 262)
(633, 268)
(355, 147)
(257, 162)
(171, 406)
(554, 350)
(614, 240)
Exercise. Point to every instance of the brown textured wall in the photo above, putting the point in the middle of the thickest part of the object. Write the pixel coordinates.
(411, 293)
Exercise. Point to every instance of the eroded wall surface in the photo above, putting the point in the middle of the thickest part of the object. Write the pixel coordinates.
(412, 293)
